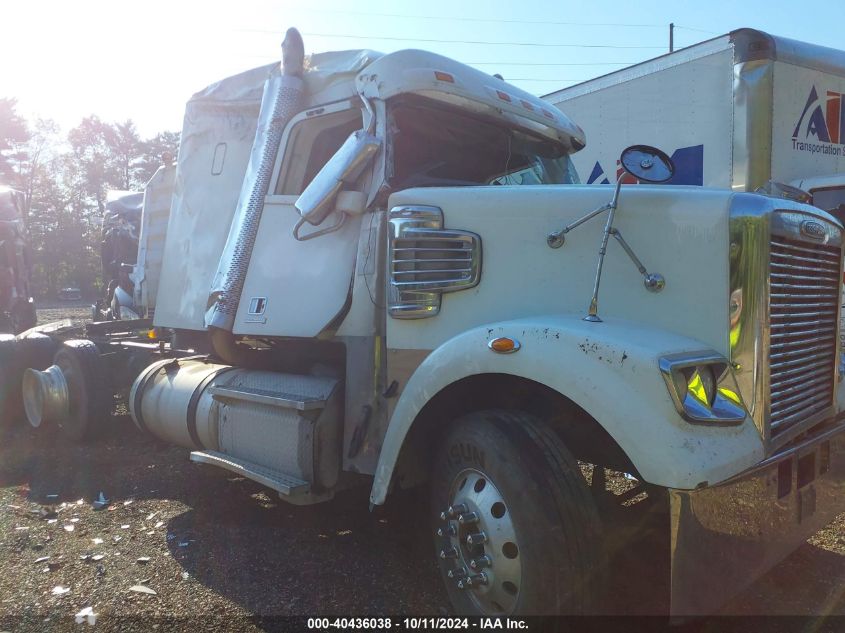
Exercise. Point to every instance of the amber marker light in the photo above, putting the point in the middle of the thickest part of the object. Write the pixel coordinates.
(441, 76)
(504, 345)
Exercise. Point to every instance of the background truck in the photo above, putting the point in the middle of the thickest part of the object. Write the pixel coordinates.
(358, 289)
(132, 247)
(17, 308)
(735, 111)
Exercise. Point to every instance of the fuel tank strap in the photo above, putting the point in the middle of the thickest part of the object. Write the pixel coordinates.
(139, 392)
(194, 403)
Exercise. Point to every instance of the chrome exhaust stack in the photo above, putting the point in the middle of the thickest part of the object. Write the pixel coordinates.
(281, 101)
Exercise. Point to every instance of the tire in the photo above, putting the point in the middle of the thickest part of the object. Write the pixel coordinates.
(16, 355)
(11, 373)
(88, 392)
(36, 350)
(542, 527)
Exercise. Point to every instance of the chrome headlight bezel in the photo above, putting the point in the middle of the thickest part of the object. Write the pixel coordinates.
(723, 406)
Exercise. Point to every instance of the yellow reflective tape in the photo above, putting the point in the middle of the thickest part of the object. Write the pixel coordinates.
(696, 388)
(730, 395)
(734, 336)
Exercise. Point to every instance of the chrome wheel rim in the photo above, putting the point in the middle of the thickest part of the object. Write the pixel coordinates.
(480, 550)
(45, 395)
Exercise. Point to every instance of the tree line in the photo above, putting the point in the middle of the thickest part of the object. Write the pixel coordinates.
(65, 179)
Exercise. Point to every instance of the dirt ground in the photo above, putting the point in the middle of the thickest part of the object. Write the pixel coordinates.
(178, 543)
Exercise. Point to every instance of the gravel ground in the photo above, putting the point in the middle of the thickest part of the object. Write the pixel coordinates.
(77, 311)
(220, 548)
(225, 552)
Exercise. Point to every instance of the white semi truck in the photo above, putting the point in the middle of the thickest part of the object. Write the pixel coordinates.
(736, 111)
(363, 293)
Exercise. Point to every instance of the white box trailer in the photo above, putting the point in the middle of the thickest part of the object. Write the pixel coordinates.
(734, 112)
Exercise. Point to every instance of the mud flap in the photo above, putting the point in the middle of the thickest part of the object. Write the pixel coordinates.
(726, 536)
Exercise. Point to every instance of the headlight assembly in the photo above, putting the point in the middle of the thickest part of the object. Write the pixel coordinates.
(703, 388)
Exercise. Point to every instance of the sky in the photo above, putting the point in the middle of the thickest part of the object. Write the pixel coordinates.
(66, 59)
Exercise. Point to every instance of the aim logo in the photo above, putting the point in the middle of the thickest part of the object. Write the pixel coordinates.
(824, 120)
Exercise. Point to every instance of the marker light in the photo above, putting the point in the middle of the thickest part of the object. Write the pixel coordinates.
(504, 345)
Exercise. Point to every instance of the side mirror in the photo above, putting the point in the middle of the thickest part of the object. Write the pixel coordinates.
(318, 200)
(647, 163)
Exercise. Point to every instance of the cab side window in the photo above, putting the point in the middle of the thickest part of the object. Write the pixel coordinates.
(312, 142)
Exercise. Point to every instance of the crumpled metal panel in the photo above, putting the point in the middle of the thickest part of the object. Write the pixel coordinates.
(282, 98)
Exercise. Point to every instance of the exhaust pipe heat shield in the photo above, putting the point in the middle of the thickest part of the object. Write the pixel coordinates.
(281, 101)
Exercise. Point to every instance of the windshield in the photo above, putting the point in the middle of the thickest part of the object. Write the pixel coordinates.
(436, 146)
(832, 200)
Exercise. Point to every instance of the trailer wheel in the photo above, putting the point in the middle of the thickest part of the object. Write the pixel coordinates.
(88, 392)
(16, 355)
(517, 530)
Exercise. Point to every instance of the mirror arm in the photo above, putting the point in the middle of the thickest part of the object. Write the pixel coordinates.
(557, 238)
(371, 124)
(592, 313)
(330, 229)
(653, 282)
(615, 200)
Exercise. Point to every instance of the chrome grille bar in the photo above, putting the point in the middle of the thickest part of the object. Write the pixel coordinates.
(804, 287)
(427, 261)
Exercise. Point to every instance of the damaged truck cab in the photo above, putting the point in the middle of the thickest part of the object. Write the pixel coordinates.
(374, 295)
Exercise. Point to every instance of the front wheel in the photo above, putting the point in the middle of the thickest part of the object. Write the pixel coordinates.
(517, 531)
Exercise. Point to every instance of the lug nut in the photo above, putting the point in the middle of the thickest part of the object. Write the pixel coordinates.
(457, 573)
(468, 518)
(481, 562)
(476, 539)
(454, 511)
(449, 552)
(477, 580)
(449, 530)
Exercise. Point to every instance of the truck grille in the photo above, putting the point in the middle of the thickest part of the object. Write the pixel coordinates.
(805, 280)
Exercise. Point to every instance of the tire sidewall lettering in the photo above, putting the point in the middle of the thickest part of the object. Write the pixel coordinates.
(463, 454)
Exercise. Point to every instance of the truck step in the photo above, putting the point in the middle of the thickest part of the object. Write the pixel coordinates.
(259, 396)
(280, 482)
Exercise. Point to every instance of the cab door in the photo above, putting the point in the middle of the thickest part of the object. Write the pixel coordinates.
(297, 288)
